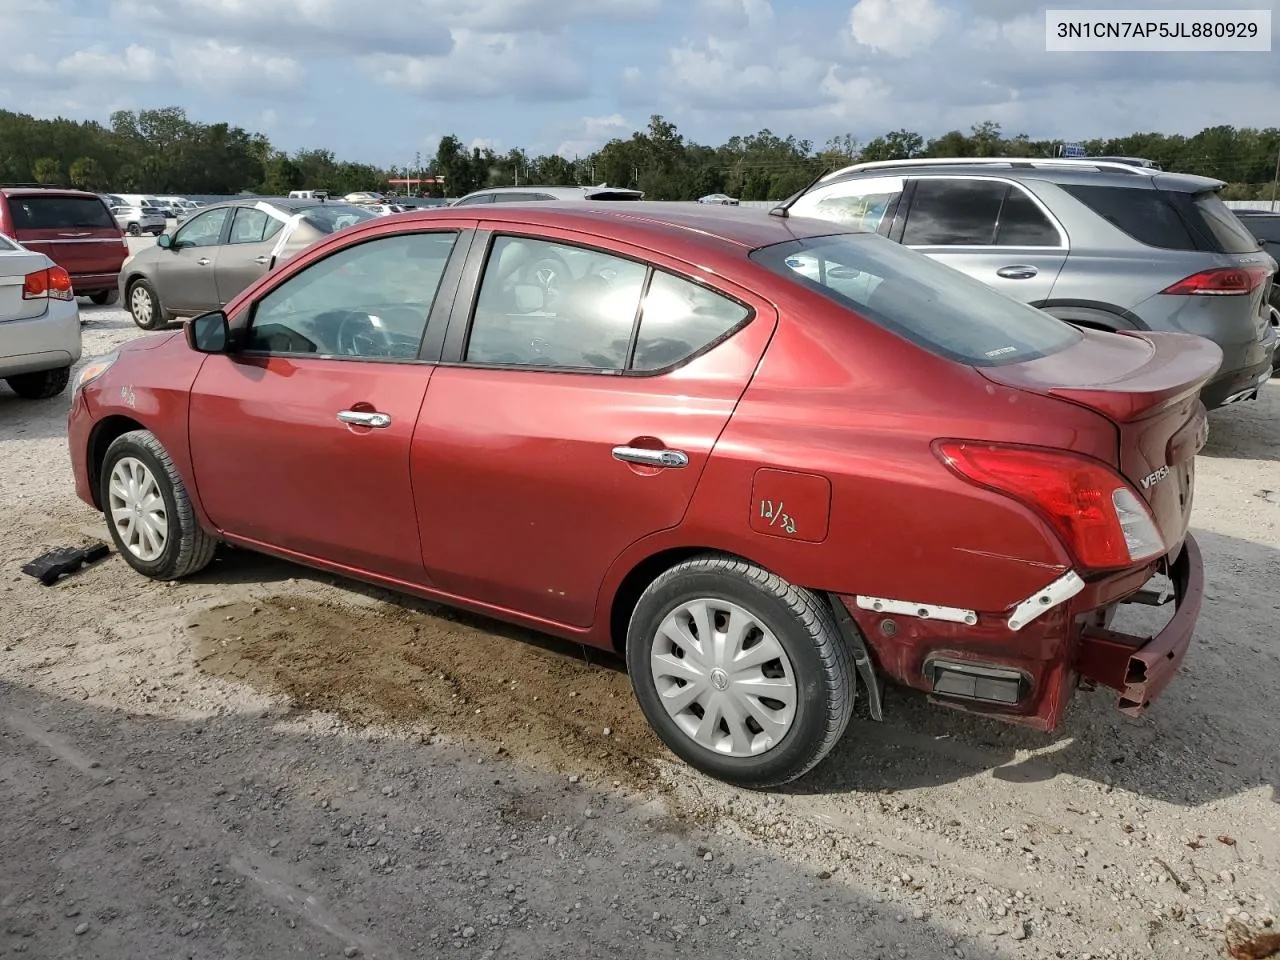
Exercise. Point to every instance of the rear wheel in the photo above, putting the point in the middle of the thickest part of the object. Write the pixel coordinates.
(41, 385)
(144, 305)
(148, 510)
(101, 297)
(743, 675)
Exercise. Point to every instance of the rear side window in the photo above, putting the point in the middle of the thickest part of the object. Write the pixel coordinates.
(1145, 215)
(679, 318)
(1216, 219)
(940, 309)
(1023, 224)
(951, 212)
(59, 213)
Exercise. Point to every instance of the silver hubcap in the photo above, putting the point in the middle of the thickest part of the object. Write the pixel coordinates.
(137, 509)
(140, 304)
(724, 678)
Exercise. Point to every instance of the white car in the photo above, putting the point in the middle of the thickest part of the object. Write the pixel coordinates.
(39, 323)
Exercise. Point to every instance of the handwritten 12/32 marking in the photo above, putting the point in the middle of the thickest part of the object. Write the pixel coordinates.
(775, 515)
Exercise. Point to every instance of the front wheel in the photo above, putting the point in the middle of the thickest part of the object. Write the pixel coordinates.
(144, 306)
(744, 676)
(148, 510)
(134, 230)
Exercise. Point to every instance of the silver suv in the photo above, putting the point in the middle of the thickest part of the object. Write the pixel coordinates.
(1099, 244)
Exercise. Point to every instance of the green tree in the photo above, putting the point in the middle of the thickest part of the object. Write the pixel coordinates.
(86, 174)
(47, 170)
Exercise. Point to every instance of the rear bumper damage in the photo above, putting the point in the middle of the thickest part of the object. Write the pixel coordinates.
(1024, 664)
(1140, 668)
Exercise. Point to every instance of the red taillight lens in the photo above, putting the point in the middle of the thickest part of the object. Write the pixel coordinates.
(53, 283)
(1097, 514)
(1220, 282)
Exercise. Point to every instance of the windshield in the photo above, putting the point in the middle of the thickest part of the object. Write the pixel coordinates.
(939, 308)
(332, 217)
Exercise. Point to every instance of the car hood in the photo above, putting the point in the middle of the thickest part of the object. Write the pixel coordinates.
(148, 342)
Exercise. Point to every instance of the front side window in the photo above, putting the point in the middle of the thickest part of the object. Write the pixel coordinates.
(954, 212)
(544, 304)
(204, 230)
(934, 306)
(855, 204)
(368, 301)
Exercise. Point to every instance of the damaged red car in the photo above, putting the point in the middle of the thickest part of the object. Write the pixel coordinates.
(770, 462)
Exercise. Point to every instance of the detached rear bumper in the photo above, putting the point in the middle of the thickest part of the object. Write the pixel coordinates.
(1140, 668)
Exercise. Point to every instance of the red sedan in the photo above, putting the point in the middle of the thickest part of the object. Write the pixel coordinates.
(770, 461)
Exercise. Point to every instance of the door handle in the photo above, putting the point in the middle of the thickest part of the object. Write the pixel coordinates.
(364, 418)
(651, 458)
(204, 261)
(1018, 272)
(263, 259)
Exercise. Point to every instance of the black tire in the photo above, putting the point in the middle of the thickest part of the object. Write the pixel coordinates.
(157, 319)
(134, 230)
(188, 548)
(103, 297)
(823, 668)
(41, 385)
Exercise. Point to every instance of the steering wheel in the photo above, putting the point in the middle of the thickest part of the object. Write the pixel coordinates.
(362, 335)
(548, 273)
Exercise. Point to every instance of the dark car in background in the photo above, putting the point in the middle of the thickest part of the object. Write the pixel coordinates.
(1265, 225)
(214, 254)
(74, 229)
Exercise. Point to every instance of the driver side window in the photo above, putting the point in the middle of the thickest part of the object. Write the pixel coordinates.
(368, 301)
(204, 230)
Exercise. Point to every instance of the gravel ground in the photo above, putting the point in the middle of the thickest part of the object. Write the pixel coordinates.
(264, 761)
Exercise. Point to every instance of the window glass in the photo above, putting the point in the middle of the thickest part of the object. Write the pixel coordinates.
(332, 217)
(546, 304)
(1228, 233)
(857, 204)
(1023, 224)
(37, 212)
(251, 225)
(367, 301)
(204, 230)
(940, 309)
(468, 201)
(1142, 213)
(678, 319)
(954, 212)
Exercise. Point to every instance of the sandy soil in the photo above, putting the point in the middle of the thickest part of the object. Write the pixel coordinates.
(264, 761)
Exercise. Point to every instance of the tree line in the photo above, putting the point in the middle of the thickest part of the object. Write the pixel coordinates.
(163, 151)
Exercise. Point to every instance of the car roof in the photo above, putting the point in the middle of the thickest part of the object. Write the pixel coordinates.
(646, 222)
(1073, 172)
(288, 204)
(47, 192)
(562, 192)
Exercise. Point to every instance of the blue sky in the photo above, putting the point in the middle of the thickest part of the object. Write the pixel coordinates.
(378, 82)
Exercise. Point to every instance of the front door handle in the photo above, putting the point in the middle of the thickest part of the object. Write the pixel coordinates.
(263, 260)
(204, 261)
(364, 418)
(651, 458)
(1018, 272)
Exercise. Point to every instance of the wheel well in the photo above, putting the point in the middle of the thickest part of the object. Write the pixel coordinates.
(100, 439)
(635, 583)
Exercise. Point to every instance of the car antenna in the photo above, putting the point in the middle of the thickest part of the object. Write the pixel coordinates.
(781, 209)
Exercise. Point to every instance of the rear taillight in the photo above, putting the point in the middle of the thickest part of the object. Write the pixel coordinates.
(1099, 517)
(1220, 282)
(53, 283)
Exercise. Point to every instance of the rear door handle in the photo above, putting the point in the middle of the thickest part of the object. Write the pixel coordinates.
(364, 418)
(204, 261)
(1017, 272)
(263, 259)
(651, 458)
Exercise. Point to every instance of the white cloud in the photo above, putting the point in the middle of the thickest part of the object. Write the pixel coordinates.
(486, 66)
(591, 133)
(898, 27)
(211, 64)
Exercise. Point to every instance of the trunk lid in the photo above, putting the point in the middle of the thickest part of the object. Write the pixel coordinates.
(15, 264)
(75, 231)
(1148, 385)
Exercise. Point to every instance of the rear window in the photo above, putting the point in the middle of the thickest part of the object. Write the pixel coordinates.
(1216, 219)
(1145, 215)
(936, 307)
(330, 218)
(59, 213)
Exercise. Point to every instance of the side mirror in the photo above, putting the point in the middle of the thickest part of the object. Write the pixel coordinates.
(209, 332)
(165, 241)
